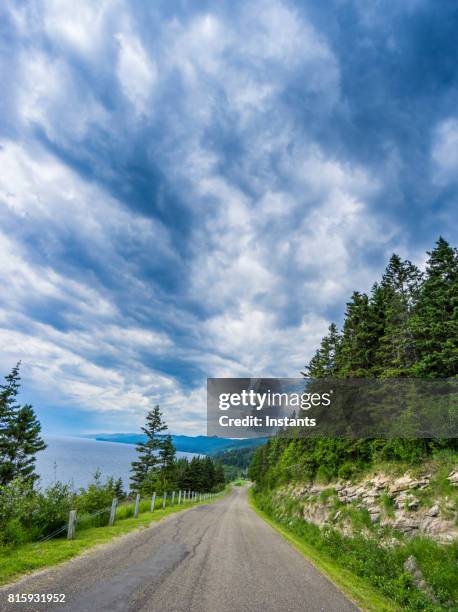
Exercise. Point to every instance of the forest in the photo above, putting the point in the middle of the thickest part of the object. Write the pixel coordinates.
(406, 327)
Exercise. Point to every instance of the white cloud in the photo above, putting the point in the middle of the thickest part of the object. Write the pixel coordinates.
(136, 72)
(445, 152)
(80, 25)
(277, 226)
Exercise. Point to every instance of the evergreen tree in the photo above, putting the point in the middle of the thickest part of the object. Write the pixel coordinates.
(323, 363)
(220, 477)
(355, 357)
(8, 407)
(398, 292)
(209, 474)
(19, 434)
(168, 464)
(197, 474)
(185, 476)
(434, 323)
(118, 488)
(200, 474)
(27, 442)
(148, 452)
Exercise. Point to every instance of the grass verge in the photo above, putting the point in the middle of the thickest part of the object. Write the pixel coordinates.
(356, 589)
(16, 562)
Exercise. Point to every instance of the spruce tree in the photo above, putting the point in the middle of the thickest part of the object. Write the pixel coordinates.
(167, 456)
(19, 434)
(323, 363)
(220, 477)
(355, 357)
(27, 442)
(435, 320)
(8, 407)
(148, 451)
(197, 476)
(209, 474)
(118, 489)
(399, 292)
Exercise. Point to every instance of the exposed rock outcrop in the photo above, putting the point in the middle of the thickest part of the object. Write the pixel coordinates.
(388, 501)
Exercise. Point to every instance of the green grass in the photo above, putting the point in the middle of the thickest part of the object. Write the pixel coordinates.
(15, 562)
(374, 557)
(240, 482)
(356, 588)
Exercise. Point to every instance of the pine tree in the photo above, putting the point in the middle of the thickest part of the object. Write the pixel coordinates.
(323, 363)
(209, 474)
(377, 317)
(167, 456)
(398, 293)
(435, 320)
(8, 407)
(148, 452)
(185, 476)
(19, 434)
(118, 489)
(27, 442)
(197, 474)
(220, 477)
(355, 357)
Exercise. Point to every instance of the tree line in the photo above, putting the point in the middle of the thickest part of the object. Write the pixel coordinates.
(158, 469)
(407, 326)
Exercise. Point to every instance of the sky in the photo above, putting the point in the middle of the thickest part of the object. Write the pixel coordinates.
(194, 189)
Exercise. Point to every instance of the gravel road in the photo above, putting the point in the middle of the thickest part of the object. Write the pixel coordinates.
(219, 557)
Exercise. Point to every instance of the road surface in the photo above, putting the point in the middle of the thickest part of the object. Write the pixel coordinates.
(219, 557)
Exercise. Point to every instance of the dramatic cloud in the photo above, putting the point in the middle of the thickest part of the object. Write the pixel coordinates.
(195, 190)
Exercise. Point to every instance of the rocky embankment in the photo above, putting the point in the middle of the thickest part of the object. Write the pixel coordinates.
(407, 504)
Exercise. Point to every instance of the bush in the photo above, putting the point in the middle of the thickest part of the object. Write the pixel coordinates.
(323, 474)
(346, 470)
(27, 515)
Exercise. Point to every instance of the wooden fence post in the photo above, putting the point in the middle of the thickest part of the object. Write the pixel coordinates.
(153, 501)
(164, 498)
(71, 525)
(114, 503)
(137, 505)
(179, 497)
(173, 497)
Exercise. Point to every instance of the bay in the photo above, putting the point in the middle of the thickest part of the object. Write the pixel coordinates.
(75, 460)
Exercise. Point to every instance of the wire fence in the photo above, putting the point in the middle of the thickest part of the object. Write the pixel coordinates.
(128, 508)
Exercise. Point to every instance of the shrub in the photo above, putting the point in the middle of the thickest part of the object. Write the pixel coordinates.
(27, 514)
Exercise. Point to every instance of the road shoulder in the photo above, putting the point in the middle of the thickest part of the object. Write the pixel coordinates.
(353, 587)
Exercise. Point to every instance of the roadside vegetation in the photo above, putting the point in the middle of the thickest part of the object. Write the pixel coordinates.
(18, 560)
(406, 327)
(235, 461)
(30, 516)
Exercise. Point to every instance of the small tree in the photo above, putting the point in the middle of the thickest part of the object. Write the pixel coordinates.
(148, 451)
(118, 488)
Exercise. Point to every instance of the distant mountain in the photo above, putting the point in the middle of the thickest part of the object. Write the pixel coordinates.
(187, 444)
